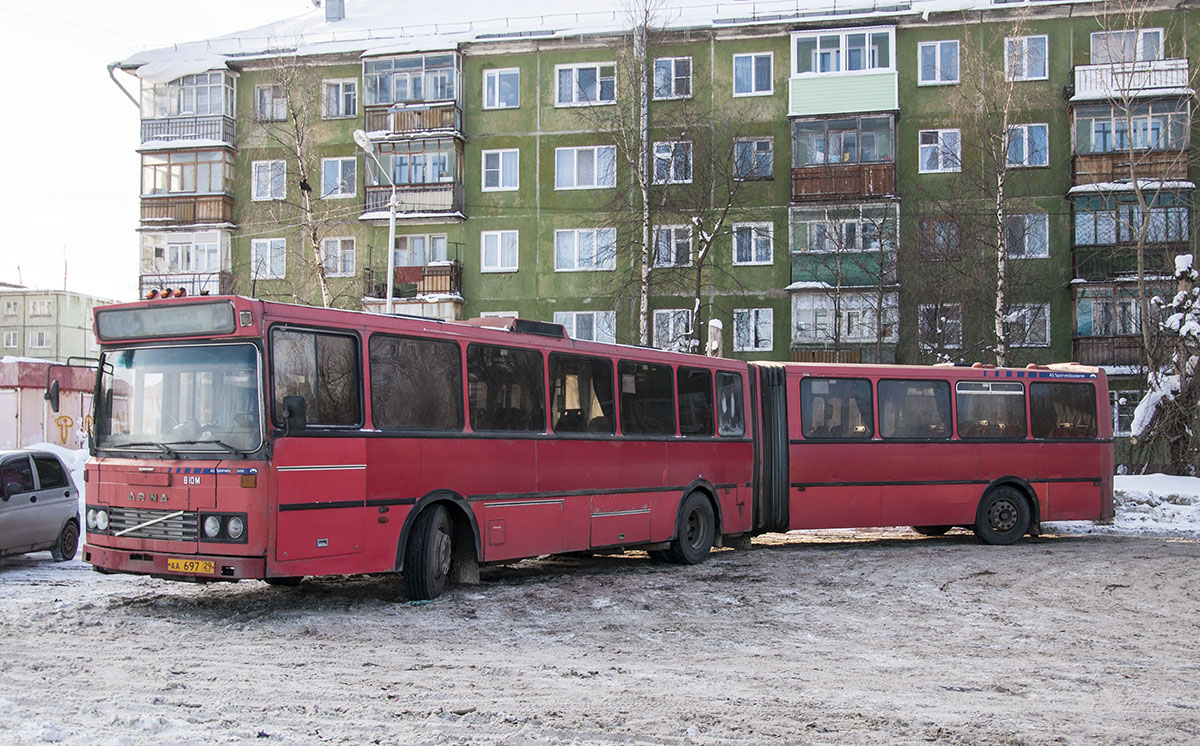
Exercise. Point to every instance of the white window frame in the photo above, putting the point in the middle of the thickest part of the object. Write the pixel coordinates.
(1023, 314)
(344, 86)
(500, 238)
(259, 260)
(666, 152)
(1017, 48)
(937, 63)
(335, 248)
(10, 339)
(494, 76)
(39, 340)
(607, 261)
(752, 320)
(501, 156)
(499, 315)
(843, 46)
(604, 324)
(12, 307)
(757, 232)
(675, 78)
(434, 247)
(256, 193)
(576, 151)
(576, 99)
(40, 307)
(945, 154)
(678, 234)
(1024, 130)
(1038, 221)
(1139, 45)
(678, 321)
(951, 337)
(754, 158)
(278, 104)
(754, 83)
(341, 167)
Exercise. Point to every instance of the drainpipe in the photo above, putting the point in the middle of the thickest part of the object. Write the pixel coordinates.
(117, 83)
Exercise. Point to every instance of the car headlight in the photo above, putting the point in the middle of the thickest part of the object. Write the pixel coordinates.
(101, 520)
(212, 527)
(234, 527)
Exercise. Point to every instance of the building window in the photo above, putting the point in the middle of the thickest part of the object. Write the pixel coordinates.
(584, 249)
(500, 170)
(1028, 145)
(39, 307)
(39, 340)
(269, 180)
(420, 250)
(753, 74)
(585, 168)
(753, 243)
(206, 94)
(432, 161)
(184, 252)
(1028, 325)
(845, 229)
(1115, 47)
(1124, 404)
(582, 85)
(499, 251)
(187, 172)
(856, 318)
(341, 99)
(338, 255)
(673, 162)
(939, 326)
(753, 158)
(1107, 312)
(338, 177)
(414, 78)
(268, 258)
(1153, 125)
(10, 339)
(11, 307)
(1027, 236)
(593, 326)
(842, 141)
(673, 246)
(270, 103)
(843, 51)
(673, 77)
(672, 329)
(938, 62)
(1117, 219)
(753, 329)
(1025, 58)
(940, 151)
(502, 88)
(938, 239)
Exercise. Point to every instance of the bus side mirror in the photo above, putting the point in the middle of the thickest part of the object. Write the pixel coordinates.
(294, 413)
(51, 395)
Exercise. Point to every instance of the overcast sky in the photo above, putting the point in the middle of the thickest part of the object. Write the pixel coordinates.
(70, 184)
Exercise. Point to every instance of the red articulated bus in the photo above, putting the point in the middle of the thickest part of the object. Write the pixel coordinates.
(238, 438)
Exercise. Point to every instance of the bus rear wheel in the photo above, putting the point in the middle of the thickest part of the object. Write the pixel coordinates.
(428, 554)
(931, 530)
(1003, 516)
(290, 581)
(694, 532)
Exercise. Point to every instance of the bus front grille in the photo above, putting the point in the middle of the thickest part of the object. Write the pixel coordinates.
(176, 528)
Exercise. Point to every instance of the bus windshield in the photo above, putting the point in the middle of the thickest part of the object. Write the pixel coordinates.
(181, 399)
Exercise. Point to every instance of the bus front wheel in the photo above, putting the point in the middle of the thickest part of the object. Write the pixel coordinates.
(694, 532)
(428, 554)
(1003, 516)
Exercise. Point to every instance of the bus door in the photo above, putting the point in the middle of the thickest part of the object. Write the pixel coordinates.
(320, 489)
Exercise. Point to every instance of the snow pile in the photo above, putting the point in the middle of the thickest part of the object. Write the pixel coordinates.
(1149, 504)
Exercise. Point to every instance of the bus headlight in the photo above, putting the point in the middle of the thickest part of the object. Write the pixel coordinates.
(91, 519)
(235, 527)
(228, 528)
(101, 520)
(212, 527)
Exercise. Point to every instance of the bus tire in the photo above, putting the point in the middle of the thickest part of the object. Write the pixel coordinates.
(694, 531)
(1003, 516)
(427, 557)
(931, 530)
(290, 581)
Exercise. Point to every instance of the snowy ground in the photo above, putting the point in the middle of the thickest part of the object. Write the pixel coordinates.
(823, 637)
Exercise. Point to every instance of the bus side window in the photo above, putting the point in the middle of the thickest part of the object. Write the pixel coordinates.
(990, 410)
(506, 389)
(695, 401)
(647, 399)
(322, 368)
(730, 420)
(836, 408)
(914, 409)
(581, 394)
(1062, 410)
(416, 384)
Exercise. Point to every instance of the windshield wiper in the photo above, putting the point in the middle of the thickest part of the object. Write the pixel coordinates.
(167, 450)
(215, 442)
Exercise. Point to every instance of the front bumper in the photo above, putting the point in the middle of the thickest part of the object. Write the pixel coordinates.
(107, 559)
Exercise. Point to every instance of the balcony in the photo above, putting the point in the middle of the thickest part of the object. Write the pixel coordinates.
(218, 128)
(435, 118)
(189, 210)
(193, 283)
(1131, 79)
(435, 278)
(1106, 262)
(1124, 350)
(445, 200)
(843, 182)
(1157, 165)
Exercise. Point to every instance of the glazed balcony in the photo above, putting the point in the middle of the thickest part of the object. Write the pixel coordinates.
(1131, 79)
(193, 283)
(1157, 165)
(217, 128)
(187, 210)
(423, 119)
(1122, 350)
(415, 200)
(855, 181)
(1107, 262)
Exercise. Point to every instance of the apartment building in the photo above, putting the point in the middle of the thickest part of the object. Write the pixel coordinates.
(46, 324)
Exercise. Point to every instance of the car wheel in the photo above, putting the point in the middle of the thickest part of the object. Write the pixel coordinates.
(67, 543)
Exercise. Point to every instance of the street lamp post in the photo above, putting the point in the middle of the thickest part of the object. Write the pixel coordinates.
(364, 141)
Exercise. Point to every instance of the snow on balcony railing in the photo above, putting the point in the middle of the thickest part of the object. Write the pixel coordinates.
(1120, 79)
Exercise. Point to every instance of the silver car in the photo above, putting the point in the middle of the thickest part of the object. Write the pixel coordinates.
(39, 506)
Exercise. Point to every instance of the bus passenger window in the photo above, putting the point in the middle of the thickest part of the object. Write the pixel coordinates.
(647, 399)
(914, 410)
(730, 420)
(990, 410)
(836, 408)
(695, 401)
(322, 368)
(581, 395)
(505, 389)
(1062, 410)
(416, 384)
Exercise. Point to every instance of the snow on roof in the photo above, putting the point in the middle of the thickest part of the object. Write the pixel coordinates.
(1128, 186)
(1104, 94)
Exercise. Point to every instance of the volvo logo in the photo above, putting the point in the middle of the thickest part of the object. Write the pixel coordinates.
(142, 497)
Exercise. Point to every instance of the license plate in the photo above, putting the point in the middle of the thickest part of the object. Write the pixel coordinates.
(198, 567)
